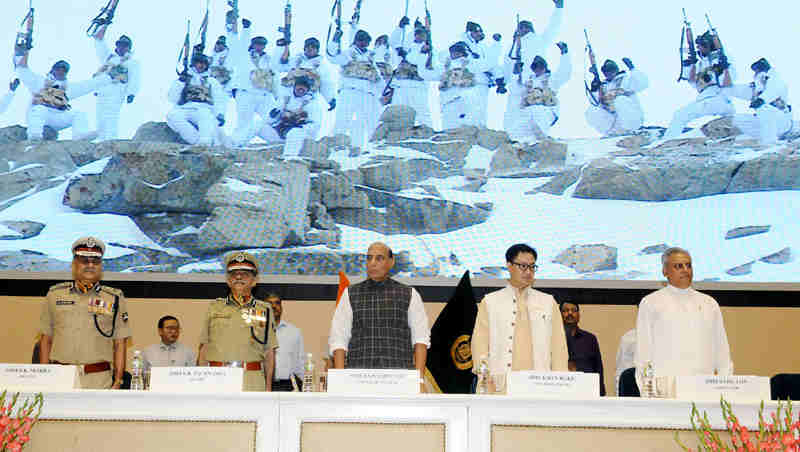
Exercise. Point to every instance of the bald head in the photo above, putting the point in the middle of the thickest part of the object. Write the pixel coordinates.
(380, 261)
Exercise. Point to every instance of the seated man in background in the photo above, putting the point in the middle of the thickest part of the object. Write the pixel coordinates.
(170, 352)
(584, 351)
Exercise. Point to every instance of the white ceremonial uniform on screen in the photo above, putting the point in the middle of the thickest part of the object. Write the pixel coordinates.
(40, 115)
(111, 97)
(538, 118)
(222, 61)
(5, 101)
(414, 92)
(318, 65)
(290, 357)
(682, 333)
(627, 112)
(626, 356)
(482, 80)
(711, 99)
(255, 90)
(537, 44)
(309, 103)
(342, 322)
(358, 105)
(196, 122)
(772, 119)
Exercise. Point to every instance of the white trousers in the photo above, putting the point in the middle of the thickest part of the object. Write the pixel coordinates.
(109, 104)
(460, 107)
(482, 105)
(194, 122)
(294, 138)
(248, 104)
(357, 114)
(414, 93)
(766, 124)
(513, 110)
(40, 116)
(718, 105)
(533, 121)
(627, 117)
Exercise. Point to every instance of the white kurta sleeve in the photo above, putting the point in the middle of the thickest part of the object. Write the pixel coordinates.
(418, 320)
(341, 325)
(300, 355)
(644, 339)
(721, 352)
(559, 354)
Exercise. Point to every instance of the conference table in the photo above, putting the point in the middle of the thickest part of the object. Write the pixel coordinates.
(85, 421)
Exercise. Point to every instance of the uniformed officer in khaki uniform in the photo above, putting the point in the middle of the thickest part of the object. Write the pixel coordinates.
(239, 330)
(84, 323)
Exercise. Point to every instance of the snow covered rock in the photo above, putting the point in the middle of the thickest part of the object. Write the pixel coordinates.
(771, 171)
(15, 134)
(26, 260)
(27, 168)
(720, 128)
(588, 258)
(393, 174)
(319, 151)
(140, 179)
(158, 132)
(334, 189)
(396, 214)
(20, 229)
(746, 231)
(783, 256)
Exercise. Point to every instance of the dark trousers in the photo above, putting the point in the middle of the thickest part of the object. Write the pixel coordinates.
(286, 385)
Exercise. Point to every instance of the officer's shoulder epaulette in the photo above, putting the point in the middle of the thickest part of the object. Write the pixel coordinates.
(111, 290)
(62, 285)
(221, 300)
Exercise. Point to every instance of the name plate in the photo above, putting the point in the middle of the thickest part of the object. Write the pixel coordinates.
(373, 381)
(572, 385)
(196, 379)
(52, 377)
(748, 388)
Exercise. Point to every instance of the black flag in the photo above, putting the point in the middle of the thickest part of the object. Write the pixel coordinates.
(449, 363)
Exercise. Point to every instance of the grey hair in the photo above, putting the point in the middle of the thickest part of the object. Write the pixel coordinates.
(670, 251)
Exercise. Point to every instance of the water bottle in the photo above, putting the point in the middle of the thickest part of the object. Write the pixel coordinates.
(483, 376)
(308, 374)
(137, 372)
(323, 376)
(649, 380)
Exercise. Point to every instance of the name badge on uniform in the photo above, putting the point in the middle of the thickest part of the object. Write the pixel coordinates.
(65, 302)
(99, 306)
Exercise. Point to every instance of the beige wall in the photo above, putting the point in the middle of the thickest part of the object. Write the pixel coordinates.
(763, 340)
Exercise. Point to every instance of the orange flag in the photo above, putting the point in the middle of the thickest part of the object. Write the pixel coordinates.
(343, 284)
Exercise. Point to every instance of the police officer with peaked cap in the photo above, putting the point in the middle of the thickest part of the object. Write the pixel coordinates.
(84, 323)
(239, 330)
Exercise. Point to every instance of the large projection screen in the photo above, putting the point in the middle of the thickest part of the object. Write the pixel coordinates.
(729, 201)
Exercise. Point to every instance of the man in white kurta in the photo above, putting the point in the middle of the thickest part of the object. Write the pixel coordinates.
(768, 95)
(680, 330)
(518, 327)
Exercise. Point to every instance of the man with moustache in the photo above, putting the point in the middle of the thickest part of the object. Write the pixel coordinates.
(680, 330)
(170, 352)
(584, 350)
(380, 323)
(239, 330)
(291, 356)
(84, 323)
(518, 327)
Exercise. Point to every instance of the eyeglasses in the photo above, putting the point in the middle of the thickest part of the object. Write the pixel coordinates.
(523, 267)
(89, 260)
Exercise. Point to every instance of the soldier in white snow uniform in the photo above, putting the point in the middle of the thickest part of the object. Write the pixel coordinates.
(312, 65)
(487, 57)
(361, 86)
(619, 110)
(222, 64)
(299, 117)
(708, 74)
(768, 95)
(199, 104)
(410, 83)
(539, 97)
(254, 83)
(51, 96)
(459, 76)
(5, 101)
(126, 79)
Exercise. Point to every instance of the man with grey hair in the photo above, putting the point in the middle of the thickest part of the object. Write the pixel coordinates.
(680, 330)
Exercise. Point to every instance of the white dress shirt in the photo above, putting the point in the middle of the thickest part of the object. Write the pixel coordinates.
(626, 354)
(342, 323)
(290, 358)
(682, 333)
(172, 355)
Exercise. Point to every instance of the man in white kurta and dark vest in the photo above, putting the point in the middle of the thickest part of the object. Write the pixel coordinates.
(680, 330)
(380, 323)
(518, 327)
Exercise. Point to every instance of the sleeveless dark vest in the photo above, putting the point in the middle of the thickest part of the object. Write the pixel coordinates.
(381, 337)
